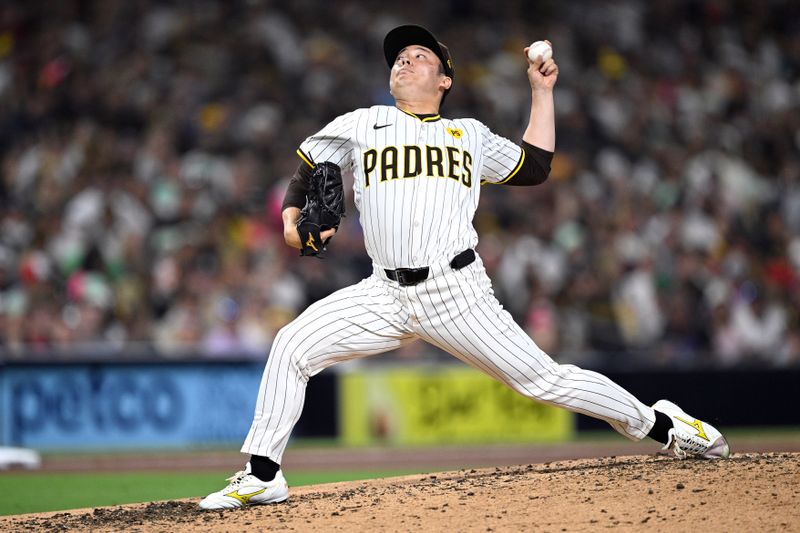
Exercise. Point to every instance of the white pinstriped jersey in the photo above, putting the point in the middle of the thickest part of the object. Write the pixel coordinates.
(417, 184)
(415, 180)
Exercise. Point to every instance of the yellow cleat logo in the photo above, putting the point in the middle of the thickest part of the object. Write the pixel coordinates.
(310, 242)
(696, 425)
(244, 498)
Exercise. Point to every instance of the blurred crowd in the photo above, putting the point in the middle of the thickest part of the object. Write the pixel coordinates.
(146, 147)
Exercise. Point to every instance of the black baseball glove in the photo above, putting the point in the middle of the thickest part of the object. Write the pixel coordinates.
(324, 207)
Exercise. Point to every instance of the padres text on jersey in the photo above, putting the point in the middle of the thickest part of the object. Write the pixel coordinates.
(408, 169)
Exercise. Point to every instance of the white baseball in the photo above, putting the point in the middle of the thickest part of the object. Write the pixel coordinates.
(540, 48)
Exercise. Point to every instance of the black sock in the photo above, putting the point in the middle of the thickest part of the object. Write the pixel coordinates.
(263, 467)
(661, 428)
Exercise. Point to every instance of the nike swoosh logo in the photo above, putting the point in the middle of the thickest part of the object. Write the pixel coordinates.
(376, 127)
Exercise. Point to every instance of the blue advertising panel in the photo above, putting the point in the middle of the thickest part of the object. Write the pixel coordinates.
(91, 406)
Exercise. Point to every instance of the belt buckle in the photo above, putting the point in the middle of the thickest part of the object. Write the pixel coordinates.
(402, 279)
(408, 277)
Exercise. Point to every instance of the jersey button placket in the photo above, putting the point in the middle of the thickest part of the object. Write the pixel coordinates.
(422, 138)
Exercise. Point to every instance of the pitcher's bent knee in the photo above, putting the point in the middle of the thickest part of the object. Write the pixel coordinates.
(286, 349)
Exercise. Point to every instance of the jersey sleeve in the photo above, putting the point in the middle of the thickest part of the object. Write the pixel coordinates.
(502, 158)
(332, 143)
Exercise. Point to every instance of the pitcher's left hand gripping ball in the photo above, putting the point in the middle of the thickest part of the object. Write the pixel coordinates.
(324, 207)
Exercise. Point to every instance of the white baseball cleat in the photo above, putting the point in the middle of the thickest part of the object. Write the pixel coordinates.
(246, 489)
(691, 437)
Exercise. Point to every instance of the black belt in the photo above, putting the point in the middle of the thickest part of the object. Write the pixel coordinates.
(411, 276)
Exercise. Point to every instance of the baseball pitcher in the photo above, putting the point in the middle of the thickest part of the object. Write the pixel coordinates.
(417, 182)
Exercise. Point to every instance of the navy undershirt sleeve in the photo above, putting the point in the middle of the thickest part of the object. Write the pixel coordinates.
(535, 168)
(298, 188)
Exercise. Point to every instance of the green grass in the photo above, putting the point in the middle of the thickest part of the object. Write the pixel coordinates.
(34, 493)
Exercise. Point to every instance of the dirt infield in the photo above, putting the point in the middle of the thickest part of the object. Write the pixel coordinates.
(434, 459)
(749, 492)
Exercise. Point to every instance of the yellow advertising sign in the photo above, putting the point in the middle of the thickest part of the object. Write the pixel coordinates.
(442, 406)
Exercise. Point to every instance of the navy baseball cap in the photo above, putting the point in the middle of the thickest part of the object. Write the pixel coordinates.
(403, 36)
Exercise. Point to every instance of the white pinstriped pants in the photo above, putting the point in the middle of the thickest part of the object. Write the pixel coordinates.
(453, 310)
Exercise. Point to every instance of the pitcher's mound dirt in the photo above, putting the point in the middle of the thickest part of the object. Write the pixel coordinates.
(749, 492)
